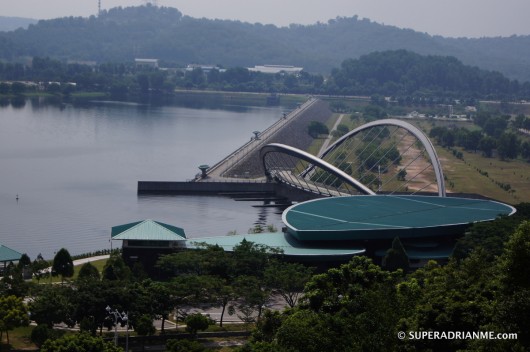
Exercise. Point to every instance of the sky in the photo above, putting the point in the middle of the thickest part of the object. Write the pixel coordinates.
(449, 18)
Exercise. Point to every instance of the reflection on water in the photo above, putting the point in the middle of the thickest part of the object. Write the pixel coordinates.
(75, 169)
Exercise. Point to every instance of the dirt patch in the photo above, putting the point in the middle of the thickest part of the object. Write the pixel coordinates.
(420, 173)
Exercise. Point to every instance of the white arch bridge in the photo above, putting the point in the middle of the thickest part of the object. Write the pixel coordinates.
(385, 156)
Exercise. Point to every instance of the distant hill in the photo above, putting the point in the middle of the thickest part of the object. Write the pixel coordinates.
(121, 34)
(403, 73)
(12, 23)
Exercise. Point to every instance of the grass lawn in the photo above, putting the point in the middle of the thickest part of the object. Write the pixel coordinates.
(477, 174)
(99, 264)
(481, 175)
(19, 339)
(88, 95)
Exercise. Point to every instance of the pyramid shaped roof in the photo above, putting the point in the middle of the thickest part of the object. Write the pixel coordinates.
(148, 230)
(7, 254)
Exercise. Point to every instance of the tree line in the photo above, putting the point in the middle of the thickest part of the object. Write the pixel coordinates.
(406, 77)
(240, 283)
(494, 135)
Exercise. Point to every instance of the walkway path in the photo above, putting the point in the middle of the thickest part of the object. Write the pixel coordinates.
(217, 171)
(83, 261)
(330, 135)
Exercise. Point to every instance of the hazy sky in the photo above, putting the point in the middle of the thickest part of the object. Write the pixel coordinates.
(455, 18)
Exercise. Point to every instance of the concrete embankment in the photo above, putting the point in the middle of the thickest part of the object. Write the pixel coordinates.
(161, 187)
(241, 170)
(293, 133)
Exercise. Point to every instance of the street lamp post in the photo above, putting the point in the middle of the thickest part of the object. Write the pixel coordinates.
(125, 319)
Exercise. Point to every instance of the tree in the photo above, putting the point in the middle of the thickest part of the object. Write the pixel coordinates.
(54, 305)
(183, 262)
(525, 150)
(396, 257)
(41, 333)
(253, 295)
(288, 279)
(63, 264)
(116, 269)
(196, 322)
(18, 88)
(519, 121)
(268, 325)
(508, 146)
(88, 272)
(4, 88)
(316, 128)
(472, 140)
(93, 296)
(24, 265)
(143, 325)
(341, 130)
(13, 282)
(495, 126)
(516, 259)
(13, 313)
(223, 294)
(489, 236)
(310, 332)
(459, 296)
(38, 266)
(323, 292)
(401, 175)
(196, 76)
(163, 300)
(249, 259)
(486, 145)
(24, 261)
(79, 342)
(512, 310)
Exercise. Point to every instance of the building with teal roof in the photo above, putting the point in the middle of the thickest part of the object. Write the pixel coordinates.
(289, 246)
(335, 229)
(144, 241)
(8, 255)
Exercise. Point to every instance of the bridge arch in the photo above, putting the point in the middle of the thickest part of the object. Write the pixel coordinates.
(314, 161)
(292, 173)
(407, 126)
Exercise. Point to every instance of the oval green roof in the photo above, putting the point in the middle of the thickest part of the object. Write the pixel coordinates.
(385, 216)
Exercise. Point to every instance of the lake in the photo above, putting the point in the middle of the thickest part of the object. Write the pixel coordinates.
(75, 170)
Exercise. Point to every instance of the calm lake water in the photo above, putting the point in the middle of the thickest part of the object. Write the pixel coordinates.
(75, 170)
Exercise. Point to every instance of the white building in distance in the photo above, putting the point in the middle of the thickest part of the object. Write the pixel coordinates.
(146, 62)
(273, 69)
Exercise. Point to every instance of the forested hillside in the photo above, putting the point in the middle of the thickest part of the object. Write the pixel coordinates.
(12, 23)
(402, 73)
(121, 34)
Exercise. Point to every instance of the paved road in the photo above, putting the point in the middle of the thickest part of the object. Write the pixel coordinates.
(275, 303)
